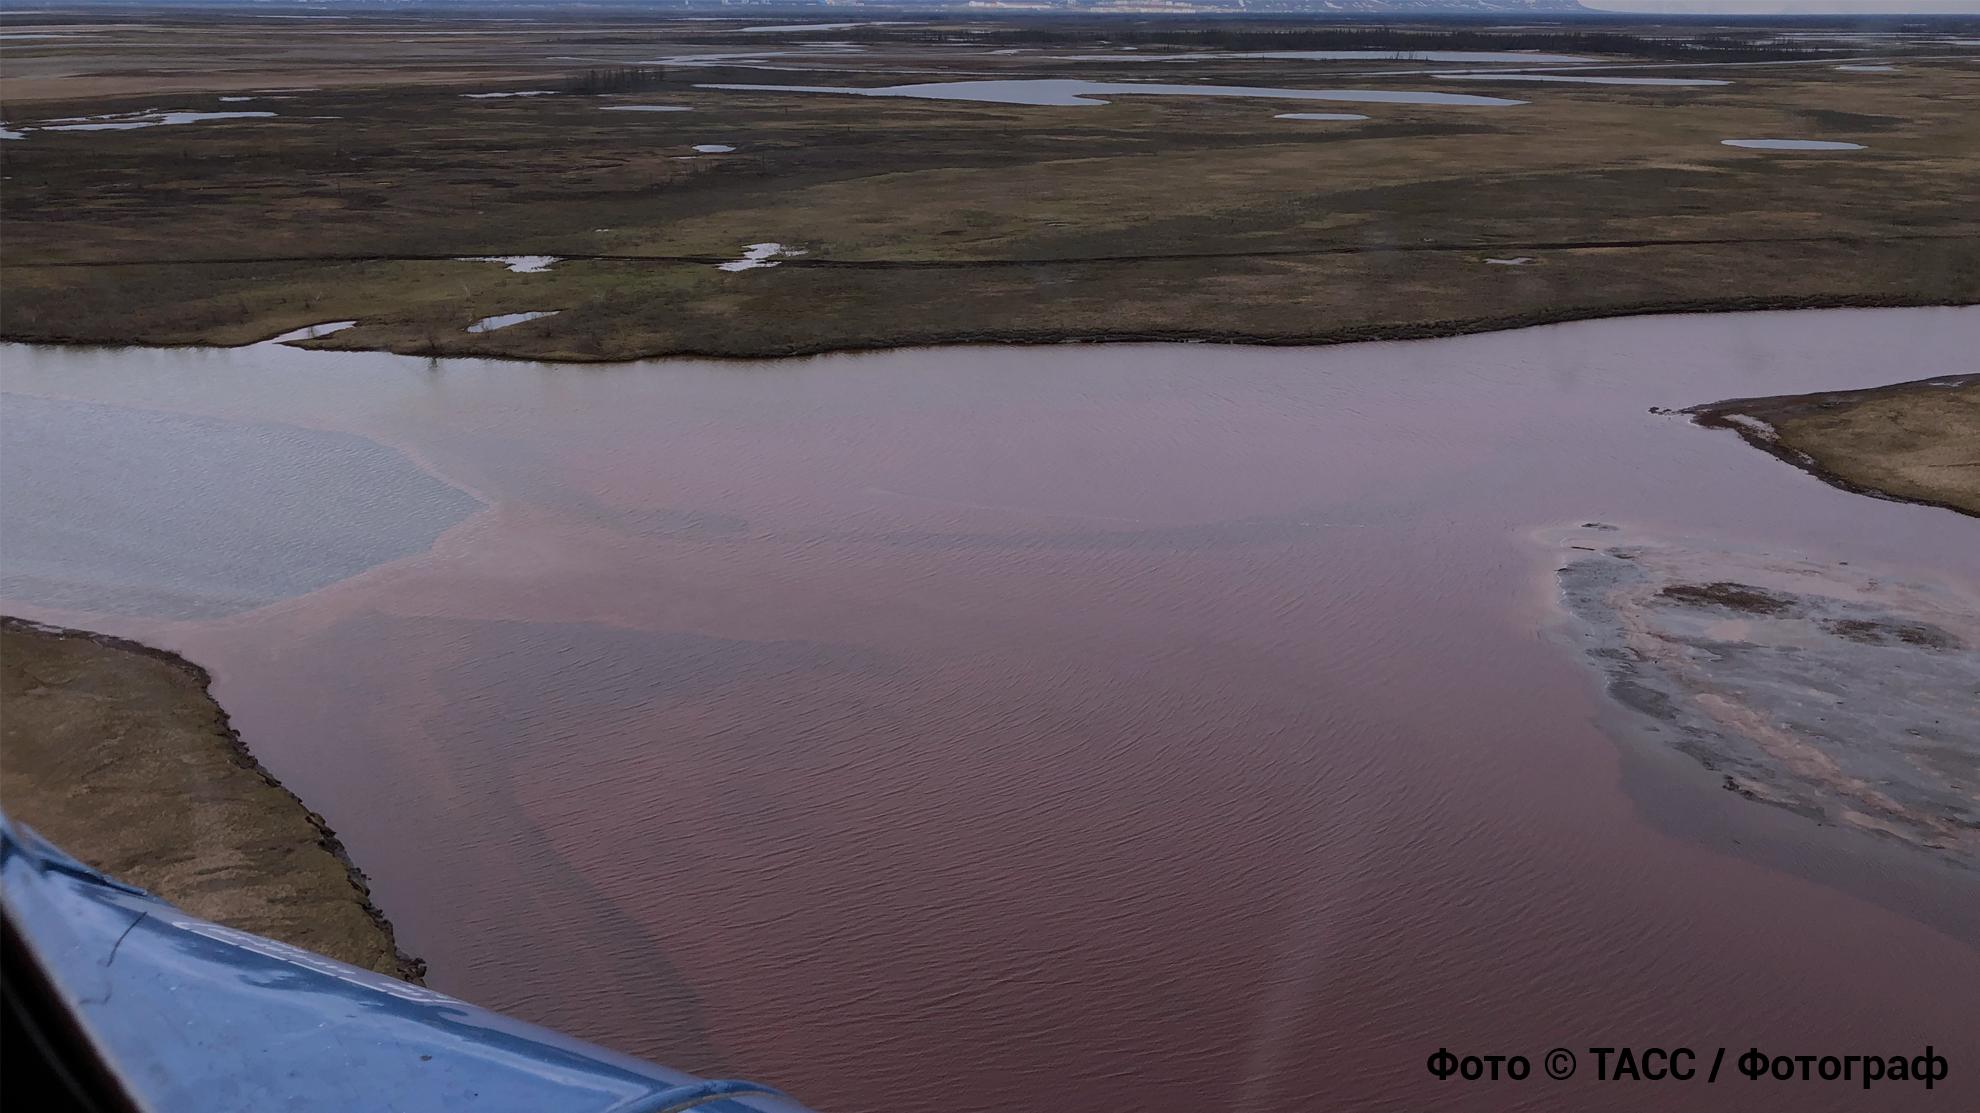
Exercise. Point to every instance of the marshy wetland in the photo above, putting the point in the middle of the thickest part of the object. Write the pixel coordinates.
(1074, 215)
(990, 723)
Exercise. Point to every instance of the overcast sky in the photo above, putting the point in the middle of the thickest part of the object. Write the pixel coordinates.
(1787, 7)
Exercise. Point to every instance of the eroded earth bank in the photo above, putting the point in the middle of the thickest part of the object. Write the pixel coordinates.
(117, 754)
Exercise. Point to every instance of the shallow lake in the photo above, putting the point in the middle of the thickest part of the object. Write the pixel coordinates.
(1337, 56)
(1792, 144)
(1056, 92)
(1671, 82)
(1158, 727)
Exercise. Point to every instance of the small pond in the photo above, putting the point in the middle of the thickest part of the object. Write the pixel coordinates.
(1792, 144)
(504, 320)
(1071, 93)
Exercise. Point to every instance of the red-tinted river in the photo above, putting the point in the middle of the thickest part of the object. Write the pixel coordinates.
(1139, 728)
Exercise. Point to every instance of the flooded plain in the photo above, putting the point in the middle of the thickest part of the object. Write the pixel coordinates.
(132, 121)
(1155, 727)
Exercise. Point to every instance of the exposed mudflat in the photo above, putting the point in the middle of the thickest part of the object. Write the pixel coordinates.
(1838, 693)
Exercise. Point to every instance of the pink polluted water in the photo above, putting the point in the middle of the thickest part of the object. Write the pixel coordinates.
(1148, 728)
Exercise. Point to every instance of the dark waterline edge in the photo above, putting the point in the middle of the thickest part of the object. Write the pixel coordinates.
(1442, 329)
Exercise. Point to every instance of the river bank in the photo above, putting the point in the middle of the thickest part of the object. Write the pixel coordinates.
(784, 344)
(116, 752)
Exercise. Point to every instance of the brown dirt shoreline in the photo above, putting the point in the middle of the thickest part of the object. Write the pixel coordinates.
(117, 752)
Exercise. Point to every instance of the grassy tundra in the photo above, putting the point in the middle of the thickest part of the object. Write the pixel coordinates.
(924, 220)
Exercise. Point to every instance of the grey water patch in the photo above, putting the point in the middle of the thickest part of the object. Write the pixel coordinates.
(1675, 82)
(1515, 261)
(1067, 93)
(131, 511)
(1338, 56)
(131, 121)
(310, 332)
(516, 93)
(504, 320)
(1319, 116)
(747, 58)
(760, 255)
(645, 108)
(1792, 144)
(1868, 69)
(1842, 695)
(713, 148)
